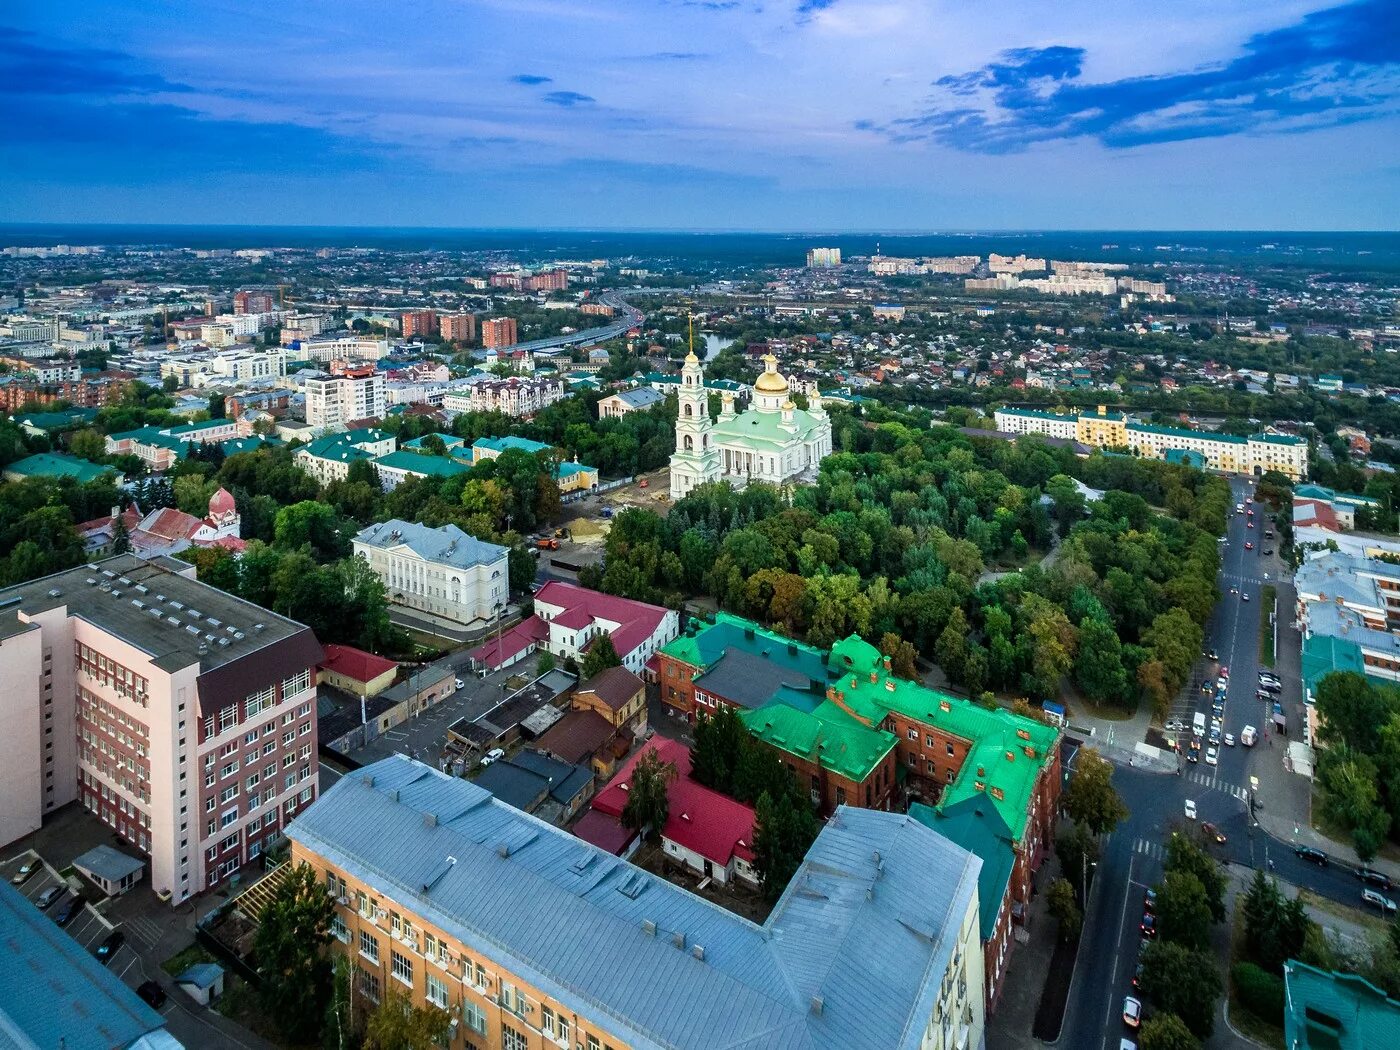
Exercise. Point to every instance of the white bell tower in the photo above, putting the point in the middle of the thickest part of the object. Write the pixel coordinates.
(696, 459)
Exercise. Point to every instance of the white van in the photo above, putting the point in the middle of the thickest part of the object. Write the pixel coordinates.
(1198, 724)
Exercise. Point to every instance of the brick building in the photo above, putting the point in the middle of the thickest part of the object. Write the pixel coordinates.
(498, 332)
(458, 328)
(418, 323)
(181, 716)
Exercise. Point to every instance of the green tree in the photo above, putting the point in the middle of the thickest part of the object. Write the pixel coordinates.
(601, 655)
(433, 445)
(1186, 854)
(1350, 708)
(720, 742)
(289, 950)
(88, 444)
(546, 662)
(1078, 851)
(1090, 798)
(1098, 668)
(121, 537)
(951, 650)
(338, 1030)
(784, 829)
(396, 1024)
(648, 799)
(1065, 908)
(1183, 912)
(1275, 927)
(1166, 1032)
(902, 656)
(1182, 982)
(313, 523)
(1261, 992)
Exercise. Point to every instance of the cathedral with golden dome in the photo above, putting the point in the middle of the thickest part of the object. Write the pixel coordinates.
(773, 441)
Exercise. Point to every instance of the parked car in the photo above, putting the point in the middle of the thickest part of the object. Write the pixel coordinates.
(457, 683)
(27, 869)
(66, 910)
(1176, 725)
(109, 945)
(1313, 856)
(1374, 878)
(1148, 926)
(1149, 900)
(1229, 739)
(151, 994)
(1374, 899)
(45, 900)
(492, 755)
(1132, 1012)
(1137, 975)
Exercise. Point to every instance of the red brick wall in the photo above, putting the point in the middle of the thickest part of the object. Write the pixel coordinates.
(677, 687)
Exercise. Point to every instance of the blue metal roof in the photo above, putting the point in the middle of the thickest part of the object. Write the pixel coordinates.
(868, 924)
(53, 992)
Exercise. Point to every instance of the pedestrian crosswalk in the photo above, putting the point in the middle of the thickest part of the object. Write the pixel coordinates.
(1212, 783)
(1147, 848)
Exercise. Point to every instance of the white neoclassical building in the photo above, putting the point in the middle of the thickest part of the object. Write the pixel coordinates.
(443, 573)
(774, 441)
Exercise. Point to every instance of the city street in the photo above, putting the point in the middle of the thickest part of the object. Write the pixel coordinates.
(1132, 856)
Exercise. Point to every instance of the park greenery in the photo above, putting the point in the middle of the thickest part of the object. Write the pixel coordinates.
(1358, 772)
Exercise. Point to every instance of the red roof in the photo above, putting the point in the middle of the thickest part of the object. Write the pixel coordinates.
(604, 831)
(702, 820)
(221, 502)
(519, 638)
(355, 663)
(637, 620)
(171, 524)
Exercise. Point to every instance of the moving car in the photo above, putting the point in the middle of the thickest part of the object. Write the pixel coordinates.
(1212, 756)
(1211, 655)
(1229, 739)
(1311, 855)
(45, 900)
(151, 994)
(109, 946)
(27, 869)
(1212, 832)
(1374, 899)
(1149, 900)
(1132, 1012)
(1148, 926)
(1190, 809)
(1247, 736)
(1244, 596)
(1193, 753)
(1374, 878)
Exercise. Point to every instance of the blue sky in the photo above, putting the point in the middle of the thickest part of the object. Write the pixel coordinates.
(705, 114)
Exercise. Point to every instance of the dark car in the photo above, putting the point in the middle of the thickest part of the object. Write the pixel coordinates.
(1137, 975)
(109, 946)
(1374, 878)
(1148, 926)
(1149, 900)
(1210, 831)
(66, 910)
(1314, 856)
(45, 900)
(151, 994)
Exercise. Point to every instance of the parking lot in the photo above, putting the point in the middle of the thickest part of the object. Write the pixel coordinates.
(88, 927)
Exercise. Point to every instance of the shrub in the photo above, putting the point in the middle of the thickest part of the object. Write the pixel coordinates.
(1260, 991)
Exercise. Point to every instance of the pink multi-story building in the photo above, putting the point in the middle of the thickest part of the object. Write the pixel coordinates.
(181, 716)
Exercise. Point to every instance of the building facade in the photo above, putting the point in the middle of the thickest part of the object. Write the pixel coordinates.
(530, 937)
(334, 401)
(329, 458)
(1228, 453)
(497, 332)
(443, 572)
(180, 716)
(458, 328)
(516, 396)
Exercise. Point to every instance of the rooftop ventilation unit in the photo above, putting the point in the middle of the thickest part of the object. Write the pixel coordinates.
(125, 580)
(239, 635)
(91, 580)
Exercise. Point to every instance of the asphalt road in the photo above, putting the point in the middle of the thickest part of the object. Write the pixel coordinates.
(1132, 856)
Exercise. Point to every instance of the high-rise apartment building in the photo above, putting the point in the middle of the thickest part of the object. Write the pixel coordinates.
(181, 716)
(418, 322)
(499, 332)
(253, 303)
(823, 258)
(458, 328)
(334, 401)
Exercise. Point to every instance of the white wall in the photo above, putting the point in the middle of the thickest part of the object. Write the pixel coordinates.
(21, 750)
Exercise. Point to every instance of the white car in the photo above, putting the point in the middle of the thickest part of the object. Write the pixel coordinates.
(1244, 596)
(1132, 1012)
(1229, 739)
(1212, 755)
(457, 683)
(1190, 809)
(1374, 899)
(492, 755)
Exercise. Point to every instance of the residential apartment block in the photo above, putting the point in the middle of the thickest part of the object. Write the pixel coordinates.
(335, 401)
(160, 447)
(460, 328)
(328, 458)
(418, 323)
(1228, 453)
(516, 396)
(181, 716)
(498, 332)
(443, 573)
(531, 937)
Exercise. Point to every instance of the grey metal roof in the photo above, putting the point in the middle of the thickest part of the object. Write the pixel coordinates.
(448, 545)
(108, 863)
(744, 678)
(868, 923)
(52, 992)
(642, 397)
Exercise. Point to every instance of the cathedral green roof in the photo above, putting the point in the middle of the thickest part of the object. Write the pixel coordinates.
(765, 427)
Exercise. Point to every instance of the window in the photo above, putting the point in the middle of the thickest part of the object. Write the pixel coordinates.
(437, 991)
(512, 1040)
(369, 984)
(228, 717)
(259, 701)
(228, 818)
(296, 684)
(913, 734)
(229, 793)
(402, 967)
(369, 947)
(339, 930)
(474, 1017)
(593, 1043)
(556, 1026)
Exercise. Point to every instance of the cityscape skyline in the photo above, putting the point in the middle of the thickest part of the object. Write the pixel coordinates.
(821, 114)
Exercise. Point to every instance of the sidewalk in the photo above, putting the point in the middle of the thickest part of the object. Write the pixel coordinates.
(1022, 984)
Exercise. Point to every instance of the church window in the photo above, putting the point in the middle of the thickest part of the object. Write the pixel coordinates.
(688, 444)
(688, 410)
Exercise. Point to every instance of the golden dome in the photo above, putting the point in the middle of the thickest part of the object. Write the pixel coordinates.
(691, 359)
(771, 382)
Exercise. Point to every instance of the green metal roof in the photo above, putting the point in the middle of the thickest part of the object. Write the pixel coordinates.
(503, 444)
(58, 465)
(1031, 413)
(1323, 654)
(826, 736)
(1195, 435)
(416, 463)
(1322, 492)
(1336, 1011)
(1277, 439)
(977, 826)
(767, 427)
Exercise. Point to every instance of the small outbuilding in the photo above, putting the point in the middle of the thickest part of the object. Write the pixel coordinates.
(202, 982)
(112, 871)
